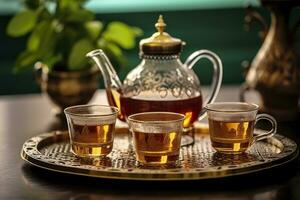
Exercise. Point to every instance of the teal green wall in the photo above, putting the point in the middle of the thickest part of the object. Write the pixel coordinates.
(219, 30)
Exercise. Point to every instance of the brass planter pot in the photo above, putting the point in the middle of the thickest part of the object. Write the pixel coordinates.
(67, 88)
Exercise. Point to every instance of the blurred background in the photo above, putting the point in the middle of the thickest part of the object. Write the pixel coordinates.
(216, 25)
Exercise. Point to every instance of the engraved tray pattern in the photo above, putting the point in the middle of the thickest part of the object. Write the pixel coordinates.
(197, 161)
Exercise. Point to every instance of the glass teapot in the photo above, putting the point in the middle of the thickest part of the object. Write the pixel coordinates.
(161, 82)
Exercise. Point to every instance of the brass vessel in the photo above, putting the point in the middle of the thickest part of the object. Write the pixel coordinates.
(275, 70)
(66, 89)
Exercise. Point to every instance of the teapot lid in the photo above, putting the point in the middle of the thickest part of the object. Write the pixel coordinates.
(161, 43)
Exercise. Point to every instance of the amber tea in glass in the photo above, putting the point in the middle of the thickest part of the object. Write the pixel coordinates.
(91, 129)
(156, 136)
(231, 126)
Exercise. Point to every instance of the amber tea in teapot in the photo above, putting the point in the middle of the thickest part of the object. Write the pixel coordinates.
(189, 107)
(161, 82)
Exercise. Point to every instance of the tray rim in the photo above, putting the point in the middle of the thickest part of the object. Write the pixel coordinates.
(141, 176)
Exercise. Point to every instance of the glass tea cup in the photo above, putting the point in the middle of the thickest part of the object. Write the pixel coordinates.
(156, 136)
(91, 129)
(231, 126)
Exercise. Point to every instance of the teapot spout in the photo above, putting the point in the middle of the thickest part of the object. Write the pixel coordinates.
(110, 77)
(112, 82)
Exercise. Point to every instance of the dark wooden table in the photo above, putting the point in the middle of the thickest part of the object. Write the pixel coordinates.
(22, 117)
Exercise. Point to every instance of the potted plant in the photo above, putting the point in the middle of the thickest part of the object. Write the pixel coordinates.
(60, 33)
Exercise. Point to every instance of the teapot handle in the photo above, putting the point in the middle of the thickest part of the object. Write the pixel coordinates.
(217, 75)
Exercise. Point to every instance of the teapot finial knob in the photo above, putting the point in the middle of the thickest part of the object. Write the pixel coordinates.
(160, 24)
(160, 43)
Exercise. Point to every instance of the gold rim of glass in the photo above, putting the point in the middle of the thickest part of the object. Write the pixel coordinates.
(251, 107)
(68, 110)
(181, 117)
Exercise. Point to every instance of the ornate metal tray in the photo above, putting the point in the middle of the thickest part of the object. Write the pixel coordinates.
(198, 161)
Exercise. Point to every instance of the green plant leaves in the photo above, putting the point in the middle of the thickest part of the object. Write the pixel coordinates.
(63, 31)
(79, 16)
(70, 5)
(40, 47)
(137, 31)
(51, 59)
(32, 4)
(36, 37)
(121, 34)
(114, 49)
(24, 60)
(73, 11)
(22, 23)
(77, 59)
(94, 29)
